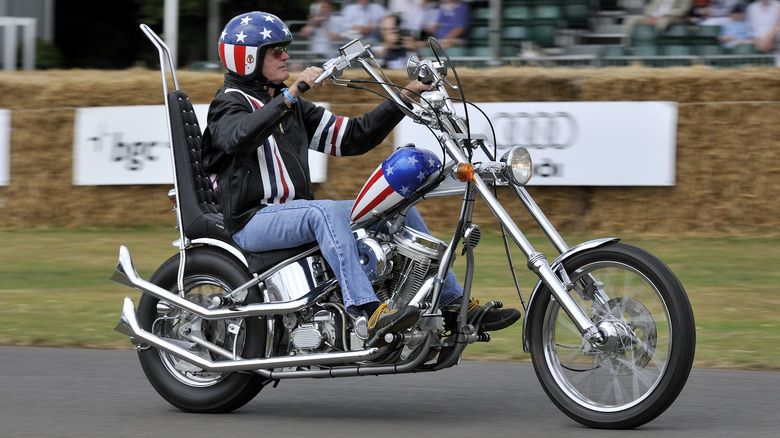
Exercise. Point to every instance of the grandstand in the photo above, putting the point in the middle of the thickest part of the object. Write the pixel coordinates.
(578, 33)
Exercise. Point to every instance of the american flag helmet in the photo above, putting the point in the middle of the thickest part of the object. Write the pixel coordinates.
(244, 36)
(394, 180)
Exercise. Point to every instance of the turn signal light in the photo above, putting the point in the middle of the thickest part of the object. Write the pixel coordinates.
(465, 172)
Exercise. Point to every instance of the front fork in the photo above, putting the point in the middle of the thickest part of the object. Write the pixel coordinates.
(537, 262)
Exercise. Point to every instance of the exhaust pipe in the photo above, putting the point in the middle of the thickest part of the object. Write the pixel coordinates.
(128, 324)
(126, 274)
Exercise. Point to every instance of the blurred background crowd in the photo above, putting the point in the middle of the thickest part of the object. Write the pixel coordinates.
(723, 33)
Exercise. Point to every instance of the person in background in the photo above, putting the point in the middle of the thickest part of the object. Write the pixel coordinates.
(361, 20)
(761, 17)
(417, 16)
(735, 30)
(715, 13)
(323, 29)
(452, 23)
(658, 13)
(771, 39)
(397, 44)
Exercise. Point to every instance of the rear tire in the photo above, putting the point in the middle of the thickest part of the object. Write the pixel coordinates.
(643, 373)
(208, 271)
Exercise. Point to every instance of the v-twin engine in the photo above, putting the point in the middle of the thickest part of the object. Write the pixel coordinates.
(398, 265)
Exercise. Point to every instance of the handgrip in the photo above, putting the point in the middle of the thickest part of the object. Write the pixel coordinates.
(303, 87)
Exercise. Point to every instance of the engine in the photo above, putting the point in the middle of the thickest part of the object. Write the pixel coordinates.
(399, 267)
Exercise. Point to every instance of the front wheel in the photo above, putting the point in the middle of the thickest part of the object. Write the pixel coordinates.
(642, 371)
(208, 272)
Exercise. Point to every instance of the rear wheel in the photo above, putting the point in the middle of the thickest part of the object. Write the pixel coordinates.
(637, 375)
(208, 272)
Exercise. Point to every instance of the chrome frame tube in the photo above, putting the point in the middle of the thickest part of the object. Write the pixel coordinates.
(541, 219)
(536, 260)
(126, 274)
(165, 56)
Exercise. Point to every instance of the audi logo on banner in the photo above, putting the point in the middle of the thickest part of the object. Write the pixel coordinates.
(541, 130)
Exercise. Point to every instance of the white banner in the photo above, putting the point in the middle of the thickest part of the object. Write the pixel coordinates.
(129, 145)
(576, 143)
(5, 147)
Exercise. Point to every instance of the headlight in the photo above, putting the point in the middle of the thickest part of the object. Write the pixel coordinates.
(518, 165)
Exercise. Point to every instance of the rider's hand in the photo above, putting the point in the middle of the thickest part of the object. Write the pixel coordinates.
(415, 88)
(308, 77)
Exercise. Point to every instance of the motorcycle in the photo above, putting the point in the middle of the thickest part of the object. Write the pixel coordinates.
(608, 326)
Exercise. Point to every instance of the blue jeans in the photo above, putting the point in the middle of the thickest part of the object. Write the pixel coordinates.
(300, 221)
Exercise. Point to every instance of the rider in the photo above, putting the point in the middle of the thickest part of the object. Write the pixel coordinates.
(258, 134)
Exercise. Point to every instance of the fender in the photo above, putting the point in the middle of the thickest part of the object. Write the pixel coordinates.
(532, 300)
(219, 244)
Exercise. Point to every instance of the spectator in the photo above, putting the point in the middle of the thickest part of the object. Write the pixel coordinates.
(397, 45)
(771, 39)
(361, 20)
(416, 16)
(658, 13)
(735, 30)
(761, 17)
(452, 24)
(323, 29)
(716, 13)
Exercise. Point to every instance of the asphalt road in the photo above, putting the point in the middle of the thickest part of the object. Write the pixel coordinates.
(94, 393)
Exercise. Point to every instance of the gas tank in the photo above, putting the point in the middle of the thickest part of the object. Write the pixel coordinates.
(399, 175)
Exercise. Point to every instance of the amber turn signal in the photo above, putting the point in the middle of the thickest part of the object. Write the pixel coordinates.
(465, 172)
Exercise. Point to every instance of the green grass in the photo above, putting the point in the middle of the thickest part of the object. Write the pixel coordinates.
(55, 289)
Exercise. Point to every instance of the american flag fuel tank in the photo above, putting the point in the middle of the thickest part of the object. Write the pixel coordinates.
(396, 178)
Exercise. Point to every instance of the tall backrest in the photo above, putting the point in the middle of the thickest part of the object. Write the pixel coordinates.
(198, 202)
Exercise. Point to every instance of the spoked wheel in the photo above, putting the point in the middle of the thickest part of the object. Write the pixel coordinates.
(640, 305)
(208, 273)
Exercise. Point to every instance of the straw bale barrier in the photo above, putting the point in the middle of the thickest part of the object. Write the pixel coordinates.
(728, 160)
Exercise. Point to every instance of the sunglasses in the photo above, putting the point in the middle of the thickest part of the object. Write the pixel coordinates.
(278, 50)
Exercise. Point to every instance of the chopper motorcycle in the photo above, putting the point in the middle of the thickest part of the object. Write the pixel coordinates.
(608, 326)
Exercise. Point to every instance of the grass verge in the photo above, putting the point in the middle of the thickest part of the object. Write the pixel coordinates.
(55, 289)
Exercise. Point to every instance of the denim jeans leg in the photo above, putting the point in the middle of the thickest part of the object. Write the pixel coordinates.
(298, 222)
(451, 289)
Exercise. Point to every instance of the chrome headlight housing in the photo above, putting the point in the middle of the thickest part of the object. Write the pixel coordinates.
(518, 167)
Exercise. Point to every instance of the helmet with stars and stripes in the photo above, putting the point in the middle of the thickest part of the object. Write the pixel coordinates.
(244, 36)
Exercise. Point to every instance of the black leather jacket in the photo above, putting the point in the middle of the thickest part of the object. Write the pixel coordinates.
(258, 147)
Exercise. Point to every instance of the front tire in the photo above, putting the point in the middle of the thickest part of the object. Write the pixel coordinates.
(208, 272)
(637, 378)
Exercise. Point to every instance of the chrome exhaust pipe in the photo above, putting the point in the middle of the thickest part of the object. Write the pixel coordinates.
(128, 324)
(126, 274)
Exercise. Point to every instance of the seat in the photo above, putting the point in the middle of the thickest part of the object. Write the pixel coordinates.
(576, 13)
(643, 35)
(643, 51)
(676, 50)
(516, 15)
(544, 35)
(709, 50)
(706, 35)
(515, 34)
(479, 35)
(480, 16)
(198, 202)
(547, 14)
(610, 51)
(677, 34)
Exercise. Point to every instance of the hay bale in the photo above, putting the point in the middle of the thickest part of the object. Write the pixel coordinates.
(727, 155)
